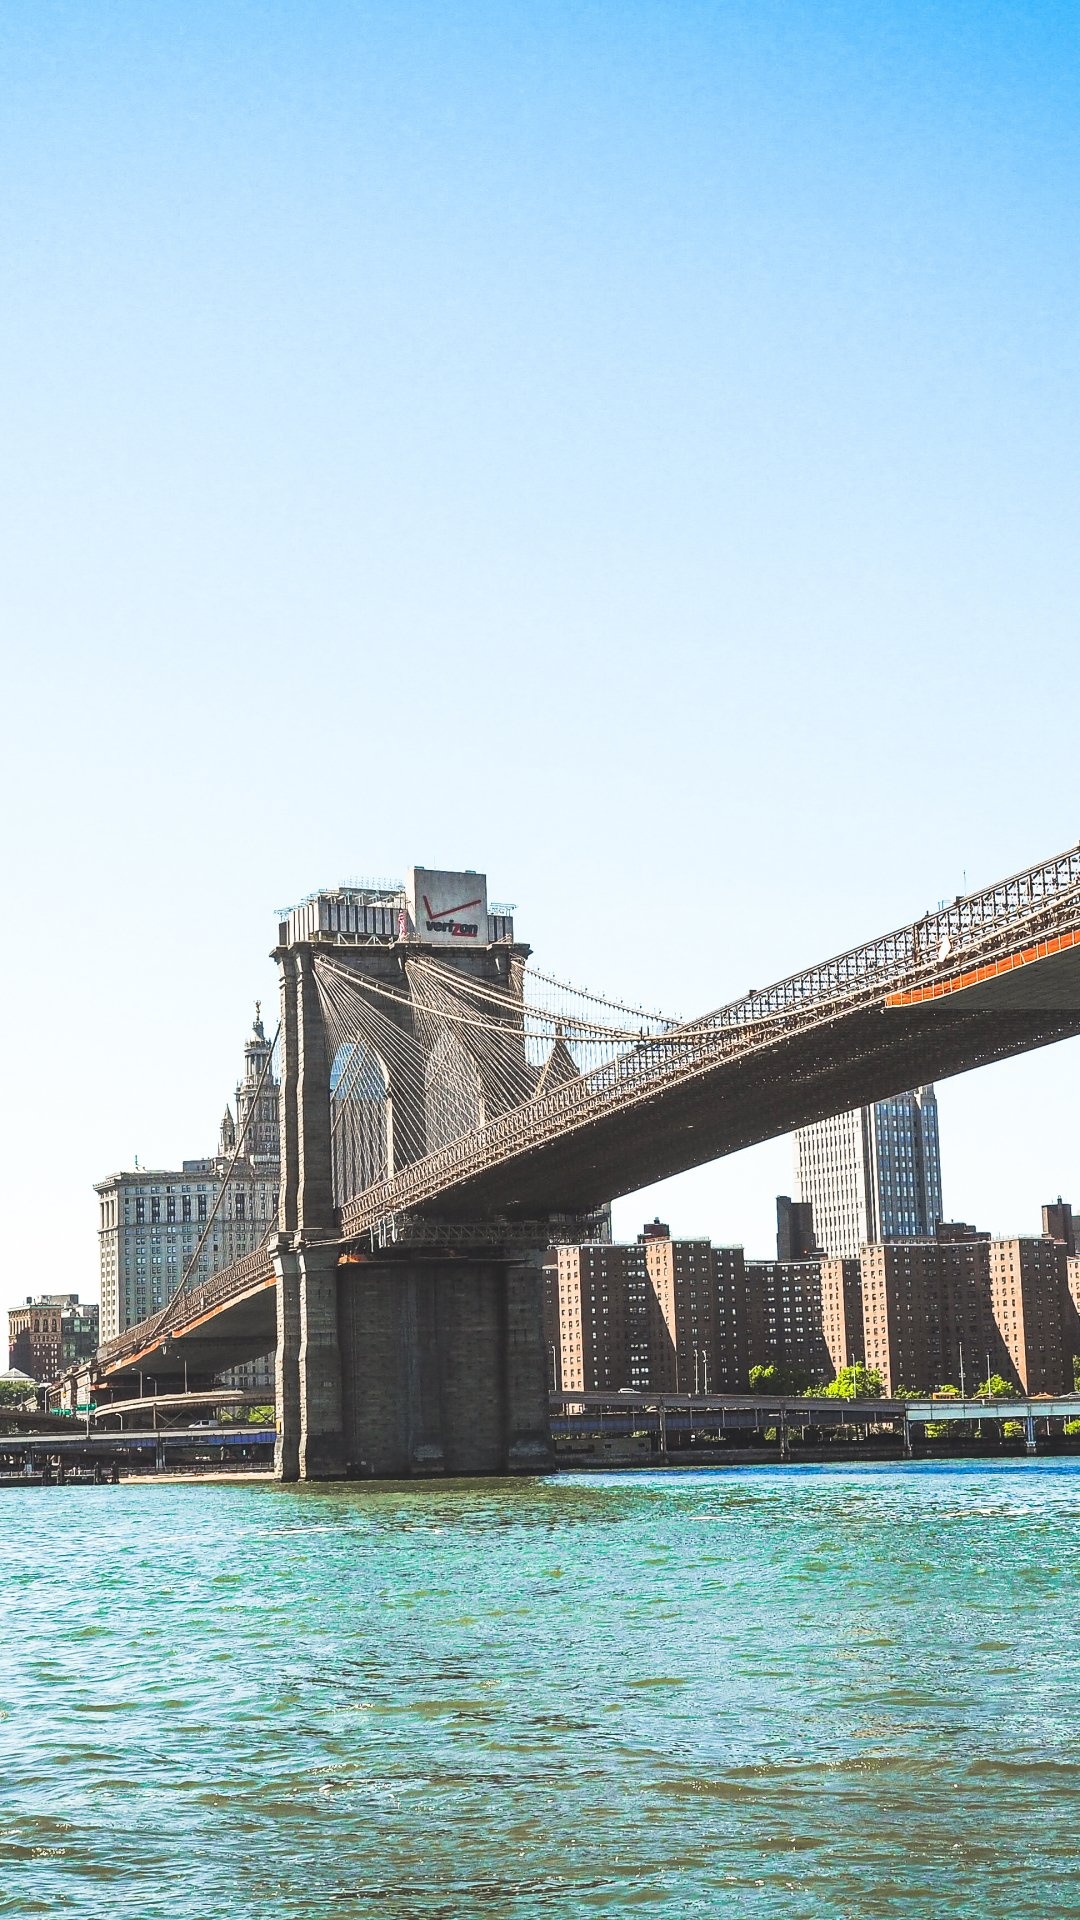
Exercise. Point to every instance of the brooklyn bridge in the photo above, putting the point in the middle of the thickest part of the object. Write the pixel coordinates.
(448, 1111)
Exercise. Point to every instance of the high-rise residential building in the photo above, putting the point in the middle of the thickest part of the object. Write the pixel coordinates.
(51, 1332)
(873, 1174)
(158, 1224)
(596, 1317)
(1059, 1223)
(1072, 1262)
(1033, 1309)
(697, 1301)
(795, 1238)
(842, 1313)
(927, 1313)
(661, 1314)
(785, 1312)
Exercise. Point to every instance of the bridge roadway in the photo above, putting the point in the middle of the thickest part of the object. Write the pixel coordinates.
(994, 975)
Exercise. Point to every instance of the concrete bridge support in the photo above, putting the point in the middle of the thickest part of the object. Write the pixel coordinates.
(413, 1366)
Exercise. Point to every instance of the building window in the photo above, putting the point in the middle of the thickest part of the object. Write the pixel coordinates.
(170, 1208)
(202, 1206)
(140, 1212)
(185, 1206)
(155, 1210)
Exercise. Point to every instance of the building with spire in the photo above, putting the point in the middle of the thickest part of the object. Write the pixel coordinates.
(157, 1225)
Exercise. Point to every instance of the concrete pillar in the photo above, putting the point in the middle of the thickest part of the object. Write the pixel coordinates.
(423, 1396)
(528, 1426)
(443, 1367)
(322, 1450)
(287, 1365)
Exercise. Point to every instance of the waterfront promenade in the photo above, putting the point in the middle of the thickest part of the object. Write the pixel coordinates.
(781, 1694)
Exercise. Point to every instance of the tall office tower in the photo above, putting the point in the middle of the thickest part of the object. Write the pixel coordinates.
(156, 1224)
(1033, 1309)
(873, 1174)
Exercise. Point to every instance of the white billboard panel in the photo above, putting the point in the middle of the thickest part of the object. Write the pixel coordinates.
(449, 907)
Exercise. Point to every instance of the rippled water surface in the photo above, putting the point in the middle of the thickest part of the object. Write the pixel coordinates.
(818, 1692)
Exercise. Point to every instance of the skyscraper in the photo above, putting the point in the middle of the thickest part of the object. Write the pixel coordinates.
(873, 1174)
(156, 1224)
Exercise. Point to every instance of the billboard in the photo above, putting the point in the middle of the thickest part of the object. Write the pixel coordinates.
(450, 907)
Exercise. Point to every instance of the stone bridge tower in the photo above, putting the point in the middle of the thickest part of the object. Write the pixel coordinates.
(423, 1355)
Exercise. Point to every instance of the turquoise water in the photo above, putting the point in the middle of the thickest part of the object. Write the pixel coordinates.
(807, 1692)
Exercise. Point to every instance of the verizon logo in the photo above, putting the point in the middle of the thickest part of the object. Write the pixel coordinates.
(444, 922)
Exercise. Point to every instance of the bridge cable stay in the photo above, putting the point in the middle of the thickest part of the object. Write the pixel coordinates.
(417, 1067)
(160, 1322)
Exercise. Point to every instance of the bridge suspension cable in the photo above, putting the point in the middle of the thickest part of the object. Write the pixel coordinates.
(161, 1321)
(417, 1066)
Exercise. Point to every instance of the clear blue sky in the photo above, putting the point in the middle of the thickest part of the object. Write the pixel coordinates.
(629, 447)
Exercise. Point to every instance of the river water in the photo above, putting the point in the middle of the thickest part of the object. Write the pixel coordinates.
(806, 1692)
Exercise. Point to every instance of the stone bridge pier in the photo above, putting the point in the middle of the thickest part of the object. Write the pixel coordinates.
(414, 1360)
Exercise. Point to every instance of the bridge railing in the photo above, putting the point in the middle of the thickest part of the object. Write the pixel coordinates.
(209, 1293)
(935, 941)
(1041, 899)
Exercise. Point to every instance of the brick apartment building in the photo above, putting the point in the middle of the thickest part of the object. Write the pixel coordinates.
(842, 1313)
(1034, 1312)
(786, 1320)
(50, 1333)
(685, 1316)
(927, 1318)
(670, 1315)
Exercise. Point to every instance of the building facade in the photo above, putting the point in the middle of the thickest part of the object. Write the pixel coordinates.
(795, 1236)
(158, 1226)
(699, 1321)
(596, 1318)
(842, 1313)
(927, 1313)
(660, 1315)
(1033, 1311)
(785, 1316)
(873, 1174)
(50, 1333)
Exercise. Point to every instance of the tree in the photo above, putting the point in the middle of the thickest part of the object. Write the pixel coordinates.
(996, 1388)
(855, 1383)
(778, 1380)
(15, 1393)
